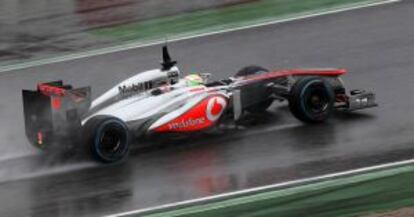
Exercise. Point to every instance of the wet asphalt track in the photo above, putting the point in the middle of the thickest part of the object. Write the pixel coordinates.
(375, 44)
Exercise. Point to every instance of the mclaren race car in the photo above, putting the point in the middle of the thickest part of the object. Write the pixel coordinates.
(162, 101)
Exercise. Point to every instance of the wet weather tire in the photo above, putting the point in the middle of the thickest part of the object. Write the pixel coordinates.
(251, 70)
(107, 138)
(311, 100)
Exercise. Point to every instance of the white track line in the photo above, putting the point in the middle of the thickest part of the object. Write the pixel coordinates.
(135, 45)
(273, 187)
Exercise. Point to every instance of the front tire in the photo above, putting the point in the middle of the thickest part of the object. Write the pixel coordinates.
(312, 100)
(107, 138)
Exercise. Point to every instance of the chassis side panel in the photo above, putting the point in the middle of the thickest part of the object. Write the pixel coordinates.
(201, 116)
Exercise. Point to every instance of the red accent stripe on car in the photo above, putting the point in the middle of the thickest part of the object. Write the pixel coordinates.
(293, 72)
(50, 90)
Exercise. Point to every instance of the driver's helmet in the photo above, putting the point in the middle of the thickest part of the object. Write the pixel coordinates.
(194, 80)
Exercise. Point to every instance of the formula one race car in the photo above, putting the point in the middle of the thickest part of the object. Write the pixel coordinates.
(162, 101)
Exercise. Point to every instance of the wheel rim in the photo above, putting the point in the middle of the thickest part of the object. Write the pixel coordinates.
(111, 143)
(111, 140)
(316, 99)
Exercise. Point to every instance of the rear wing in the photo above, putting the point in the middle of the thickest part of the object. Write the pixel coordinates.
(53, 112)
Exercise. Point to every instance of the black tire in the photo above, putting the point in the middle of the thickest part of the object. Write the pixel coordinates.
(251, 70)
(255, 70)
(107, 138)
(312, 100)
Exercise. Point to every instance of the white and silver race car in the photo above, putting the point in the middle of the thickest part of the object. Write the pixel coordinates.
(162, 101)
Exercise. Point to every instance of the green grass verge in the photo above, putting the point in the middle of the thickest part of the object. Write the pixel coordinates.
(342, 197)
(218, 19)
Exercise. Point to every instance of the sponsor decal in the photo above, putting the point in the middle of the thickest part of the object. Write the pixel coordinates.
(200, 117)
(187, 123)
(135, 88)
(215, 107)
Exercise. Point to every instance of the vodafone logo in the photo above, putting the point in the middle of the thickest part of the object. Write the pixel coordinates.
(215, 107)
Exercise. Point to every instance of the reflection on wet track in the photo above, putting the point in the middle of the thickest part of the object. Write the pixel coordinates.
(234, 160)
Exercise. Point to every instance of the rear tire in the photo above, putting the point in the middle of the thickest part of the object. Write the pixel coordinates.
(107, 138)
(255, 70)
(312, 100)
(251, 70)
